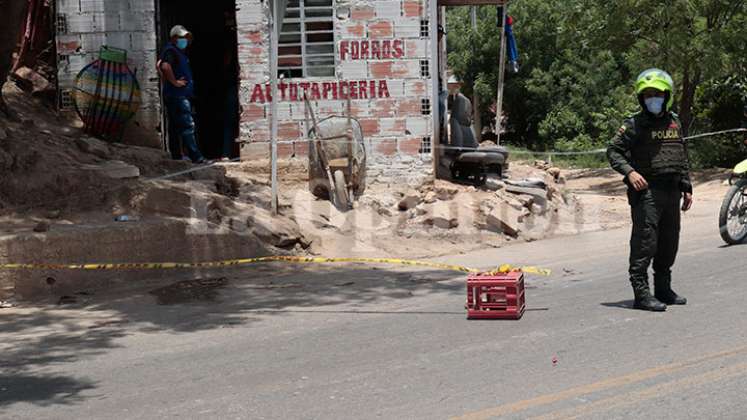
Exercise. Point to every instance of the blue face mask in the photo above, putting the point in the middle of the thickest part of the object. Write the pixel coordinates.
(182, 43)
(654, 105)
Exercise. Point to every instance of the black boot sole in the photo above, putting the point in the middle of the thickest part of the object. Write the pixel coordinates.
(648, 308)
(682, 302)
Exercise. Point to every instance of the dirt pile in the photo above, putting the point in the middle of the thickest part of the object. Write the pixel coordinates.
(435, 218)
(52, 173)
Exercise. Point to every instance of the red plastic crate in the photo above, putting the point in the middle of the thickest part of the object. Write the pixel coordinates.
(499, 296)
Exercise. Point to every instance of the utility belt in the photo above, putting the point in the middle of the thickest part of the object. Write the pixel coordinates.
(662, 182)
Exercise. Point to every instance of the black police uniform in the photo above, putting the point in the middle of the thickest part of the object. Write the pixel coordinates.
(653, 146)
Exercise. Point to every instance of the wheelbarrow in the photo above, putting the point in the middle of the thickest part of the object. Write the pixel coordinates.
(337, 158)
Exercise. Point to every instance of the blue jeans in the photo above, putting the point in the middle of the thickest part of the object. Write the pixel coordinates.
(182, 129)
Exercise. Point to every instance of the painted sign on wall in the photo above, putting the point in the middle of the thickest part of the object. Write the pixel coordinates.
(365, 49)
(336, 89)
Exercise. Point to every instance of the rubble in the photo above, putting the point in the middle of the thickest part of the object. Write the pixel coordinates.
(41, 227)
(409, 201)
(93, 146)
(114, 169)
(168, 202)
(504, 219)
(30, 80)
(440, 216)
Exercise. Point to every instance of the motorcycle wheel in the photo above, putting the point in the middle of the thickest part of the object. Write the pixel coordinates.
(732, 218)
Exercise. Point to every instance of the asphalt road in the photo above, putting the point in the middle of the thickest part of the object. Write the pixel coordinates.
(350, 343)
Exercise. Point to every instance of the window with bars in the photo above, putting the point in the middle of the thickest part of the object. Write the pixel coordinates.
(425, 69)
(425, 29)
(306, 47)
(61, 24)
(66, 100)
(425, 106)
(425, 145)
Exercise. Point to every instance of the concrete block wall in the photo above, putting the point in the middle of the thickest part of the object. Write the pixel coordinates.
(83, 26)
(379, 54)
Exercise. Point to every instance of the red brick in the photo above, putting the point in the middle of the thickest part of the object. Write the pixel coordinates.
(384, 108)
(254, 36)
(412, 8)
(394, 128)
(409, 146)
(409, 107)
(411, 49)
(387, 147)
(357, 29)
(260, 134)
(370, 126)
(66, 48)
(289, 131)
(301, 149)
(415, 88)
(380, 69)
(389, 70)
(362, 13)
(380, 29)
(255, 151)
(285, 150)
(253, 112)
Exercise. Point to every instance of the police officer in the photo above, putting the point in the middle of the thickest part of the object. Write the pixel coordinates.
(652, 155)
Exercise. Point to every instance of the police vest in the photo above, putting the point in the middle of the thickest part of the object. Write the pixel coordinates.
(182, 70)
(658, 147)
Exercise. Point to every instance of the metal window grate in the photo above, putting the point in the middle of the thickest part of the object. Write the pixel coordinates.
(306, 47)
(61, 24)
(425, 145)
(425, 106)
(66, 100)
(424, 28)
(425, 69)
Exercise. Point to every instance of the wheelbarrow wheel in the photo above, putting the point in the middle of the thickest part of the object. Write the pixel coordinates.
(341, 191)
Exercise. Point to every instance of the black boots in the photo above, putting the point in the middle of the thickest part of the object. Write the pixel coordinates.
(669, 297)
(647, 302)
(663, 291)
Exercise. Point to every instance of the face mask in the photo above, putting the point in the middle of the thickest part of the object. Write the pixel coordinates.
(182, 43)
(654, 105)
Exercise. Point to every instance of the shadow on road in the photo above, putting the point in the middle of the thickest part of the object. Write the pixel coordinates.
(625, 304)
(43, 390)
(38, 338)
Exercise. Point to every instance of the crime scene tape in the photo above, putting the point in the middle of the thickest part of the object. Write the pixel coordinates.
(505, 268)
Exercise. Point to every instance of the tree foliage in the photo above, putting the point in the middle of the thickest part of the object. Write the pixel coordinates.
(580, 58)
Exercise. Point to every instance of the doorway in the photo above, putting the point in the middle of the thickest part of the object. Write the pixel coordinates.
(213, 56)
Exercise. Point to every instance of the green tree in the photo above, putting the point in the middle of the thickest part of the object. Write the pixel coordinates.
(580, 58)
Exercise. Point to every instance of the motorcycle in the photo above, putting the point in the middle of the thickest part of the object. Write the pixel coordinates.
(732, 219)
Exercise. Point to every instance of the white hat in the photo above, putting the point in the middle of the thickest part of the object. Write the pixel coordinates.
(179, 31)
(452, 80)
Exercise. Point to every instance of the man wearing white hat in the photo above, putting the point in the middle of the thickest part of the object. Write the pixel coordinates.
(460, 122)
(178, 92)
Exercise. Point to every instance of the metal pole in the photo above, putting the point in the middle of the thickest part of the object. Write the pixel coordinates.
(501, 76)
(435, 72)
(274, 107)
(477, 128)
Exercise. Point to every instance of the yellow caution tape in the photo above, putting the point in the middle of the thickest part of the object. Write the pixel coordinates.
(244, 261)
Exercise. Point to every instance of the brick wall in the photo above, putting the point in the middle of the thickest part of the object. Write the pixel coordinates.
(379, 54)
(85, 25)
